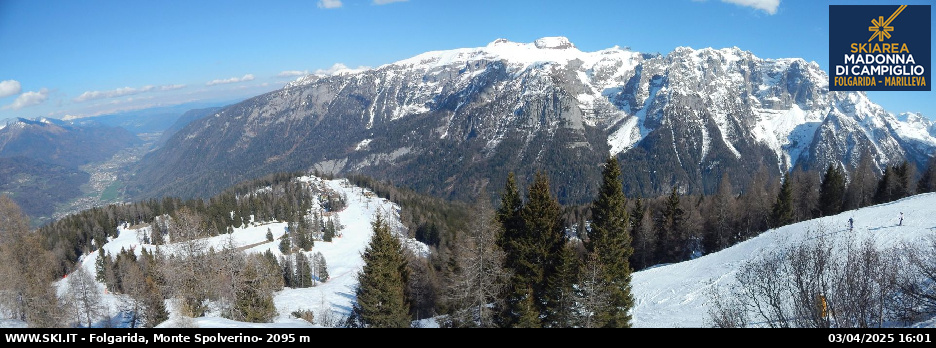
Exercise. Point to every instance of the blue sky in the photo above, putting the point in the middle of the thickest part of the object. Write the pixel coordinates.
(85, 58)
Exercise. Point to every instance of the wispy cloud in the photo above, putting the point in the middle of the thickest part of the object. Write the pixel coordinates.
(384, 2)
(248, 77)
(171, 87)
(9, 87)
(120, 92)
(769, 6)
(29, 99)
(329, 3)
(291, 73)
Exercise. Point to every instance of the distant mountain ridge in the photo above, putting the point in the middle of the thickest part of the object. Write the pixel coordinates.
(41, 160)
(451, 122)
(66, 143)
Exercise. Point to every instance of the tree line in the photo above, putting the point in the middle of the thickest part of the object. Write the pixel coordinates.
(182, 266)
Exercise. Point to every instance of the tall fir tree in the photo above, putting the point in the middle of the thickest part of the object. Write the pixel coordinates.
(541, 243)
(508, 215)
(928, 179)
(670, 230)
(882, 193)
(644, 241)
(254, 294)
(906, 180)
(381, 293)
(610, 238)
(832, 191)
(861, 183)
(101, 265)
(782, 214)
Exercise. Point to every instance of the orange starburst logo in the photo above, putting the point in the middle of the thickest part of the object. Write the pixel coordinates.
(882, 28)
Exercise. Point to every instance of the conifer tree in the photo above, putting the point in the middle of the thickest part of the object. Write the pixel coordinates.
(885, 188)
(832, 191)
(254, 296)
(671, 241)
(644, 242)
(561, 291)
(610, 238)
(541, 243)
(782, 214)
(723, 213)
(101, 264)
(928, 180)
(155, 311)
(381, 293)
(508, 215)
(284, 245)
(303, 277)
(906, 180)
(528, 315)
(329, 231)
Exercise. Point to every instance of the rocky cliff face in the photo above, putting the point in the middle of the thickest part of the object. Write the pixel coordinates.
(451, 122)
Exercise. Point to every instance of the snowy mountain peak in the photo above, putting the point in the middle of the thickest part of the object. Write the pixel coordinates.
(553, 42)
(500, 42)
(701, 108)
(912, 117)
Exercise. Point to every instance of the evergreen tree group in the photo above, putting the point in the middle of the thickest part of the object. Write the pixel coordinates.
(381, 293)
(558, 281)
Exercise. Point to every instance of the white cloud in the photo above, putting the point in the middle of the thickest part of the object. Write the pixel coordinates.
(90, 95)
(248, 77)
(9, 87)
(171, 87)
(384, 2)
(329, 3)
(339, 68)
(120, 92)
(29, 99)
(291, 73)
(769, 6)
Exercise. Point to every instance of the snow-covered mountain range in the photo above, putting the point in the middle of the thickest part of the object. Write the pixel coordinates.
(448, 122)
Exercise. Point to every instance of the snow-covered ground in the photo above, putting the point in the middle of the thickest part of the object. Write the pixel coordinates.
(343, 257)
(667, 296)
(678, 295)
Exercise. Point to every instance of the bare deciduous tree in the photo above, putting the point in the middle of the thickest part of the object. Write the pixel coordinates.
(592, 290)
(83, 298)
(27, 270)
(479, 277)
(817, 283)
(188, 270)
